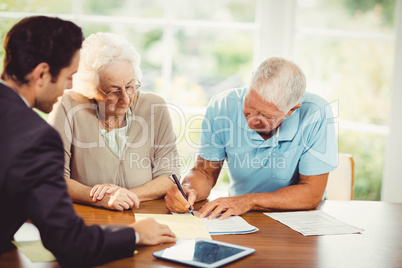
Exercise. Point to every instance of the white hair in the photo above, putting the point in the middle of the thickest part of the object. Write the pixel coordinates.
(280, 82)
(98, 51)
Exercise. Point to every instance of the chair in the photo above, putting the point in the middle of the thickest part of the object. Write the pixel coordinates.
(341, 180)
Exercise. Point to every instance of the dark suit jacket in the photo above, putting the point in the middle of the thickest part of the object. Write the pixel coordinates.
(32, 187)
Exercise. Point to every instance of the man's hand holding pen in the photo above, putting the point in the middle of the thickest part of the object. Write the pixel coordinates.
(181, 199)
(176, 202)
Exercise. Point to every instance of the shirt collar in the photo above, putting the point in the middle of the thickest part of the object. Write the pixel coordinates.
(289, 126)
(25, 100)
(22, 97)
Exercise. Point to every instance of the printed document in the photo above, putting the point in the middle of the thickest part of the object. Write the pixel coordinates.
(315, 222)
(230, 225)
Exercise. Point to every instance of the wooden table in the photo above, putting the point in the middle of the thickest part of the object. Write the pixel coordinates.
(380, 245)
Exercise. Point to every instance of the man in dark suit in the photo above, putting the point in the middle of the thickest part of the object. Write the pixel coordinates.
(42, 54)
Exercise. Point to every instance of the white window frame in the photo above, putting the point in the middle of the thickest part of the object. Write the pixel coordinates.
(274, 30)
(277, 30)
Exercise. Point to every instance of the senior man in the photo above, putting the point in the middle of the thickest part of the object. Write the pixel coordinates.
(278, 140)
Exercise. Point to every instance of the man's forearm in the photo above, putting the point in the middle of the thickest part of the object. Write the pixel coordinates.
(294, 197)
(153, 189)
(198, 181)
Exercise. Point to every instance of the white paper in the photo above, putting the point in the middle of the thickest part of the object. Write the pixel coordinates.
(314, 222)
(184, 226)
(230, 225)
(27, 240)
(27, 232)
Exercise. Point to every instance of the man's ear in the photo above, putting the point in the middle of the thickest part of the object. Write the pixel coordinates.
(293, 109)
(40, 75)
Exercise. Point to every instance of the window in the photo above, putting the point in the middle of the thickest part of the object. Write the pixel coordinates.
(192, 50)
(347, 51)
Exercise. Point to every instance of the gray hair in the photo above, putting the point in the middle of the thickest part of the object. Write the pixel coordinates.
(98, 51)
(280, 82)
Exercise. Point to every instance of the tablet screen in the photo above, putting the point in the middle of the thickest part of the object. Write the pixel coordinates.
(201, 251)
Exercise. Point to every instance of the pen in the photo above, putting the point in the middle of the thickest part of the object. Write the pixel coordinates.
(182, 192)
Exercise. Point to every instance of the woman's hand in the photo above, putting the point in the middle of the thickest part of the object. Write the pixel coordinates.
(122, 199)
(100, 190)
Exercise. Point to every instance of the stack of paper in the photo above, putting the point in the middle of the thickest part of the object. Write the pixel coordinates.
(183, 226)
(230, 225)
(314, 222)
(27, 240)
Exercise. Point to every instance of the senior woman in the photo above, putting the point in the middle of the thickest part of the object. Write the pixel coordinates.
(119, 143)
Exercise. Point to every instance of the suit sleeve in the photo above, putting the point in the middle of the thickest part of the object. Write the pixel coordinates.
(49, 207)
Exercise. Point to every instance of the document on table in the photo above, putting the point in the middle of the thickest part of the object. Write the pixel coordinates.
(230, 225)
(314, 222)
(184, 226)
(27, 240)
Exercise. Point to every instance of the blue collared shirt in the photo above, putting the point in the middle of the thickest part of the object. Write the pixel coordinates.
(305, 143)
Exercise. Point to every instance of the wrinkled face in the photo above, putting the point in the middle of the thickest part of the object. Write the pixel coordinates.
(262, 116)
(117, 85)
(46, 98)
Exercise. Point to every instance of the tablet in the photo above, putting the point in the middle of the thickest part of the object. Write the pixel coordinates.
(203, 253)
